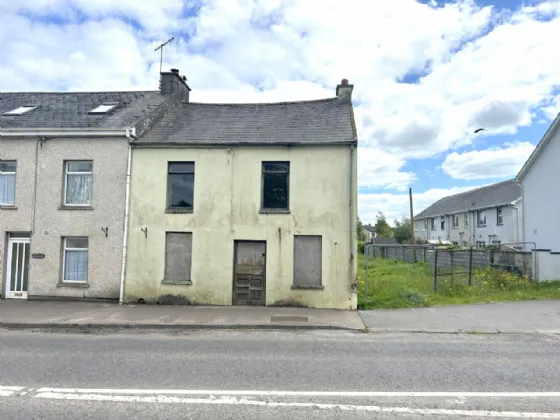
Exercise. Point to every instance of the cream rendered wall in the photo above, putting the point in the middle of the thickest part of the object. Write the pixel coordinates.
(110, 158)
(227, 198)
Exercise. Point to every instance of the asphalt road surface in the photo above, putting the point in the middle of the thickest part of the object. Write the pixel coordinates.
(281, 375)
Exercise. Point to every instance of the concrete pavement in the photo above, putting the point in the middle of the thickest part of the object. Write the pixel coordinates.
(281, 375)
(39, 314)
(537, 316)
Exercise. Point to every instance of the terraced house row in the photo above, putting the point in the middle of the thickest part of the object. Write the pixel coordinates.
(148, 197)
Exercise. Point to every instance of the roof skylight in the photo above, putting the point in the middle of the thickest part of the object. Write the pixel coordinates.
(103, 109)
(20, 110)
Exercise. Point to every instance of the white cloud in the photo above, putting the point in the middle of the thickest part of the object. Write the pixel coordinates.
(396, 206)
(277, 50)
(496, 162)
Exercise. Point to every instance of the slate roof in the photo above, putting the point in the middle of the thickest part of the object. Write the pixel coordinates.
(70, 109)
(370, 228)
(384, 241)
(502, 193)
(323, 121)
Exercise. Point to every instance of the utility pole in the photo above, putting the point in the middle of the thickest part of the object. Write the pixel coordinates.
(160, 48)
(411, 215)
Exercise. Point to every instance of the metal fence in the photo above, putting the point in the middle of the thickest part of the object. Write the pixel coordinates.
(451, 267)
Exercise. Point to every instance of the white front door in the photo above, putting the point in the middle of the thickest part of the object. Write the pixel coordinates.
(17, 274)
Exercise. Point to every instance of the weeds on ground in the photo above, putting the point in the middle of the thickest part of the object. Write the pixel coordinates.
(395, 284)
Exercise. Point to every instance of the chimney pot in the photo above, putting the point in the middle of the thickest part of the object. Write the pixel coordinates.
(344, 82)
(176, 71)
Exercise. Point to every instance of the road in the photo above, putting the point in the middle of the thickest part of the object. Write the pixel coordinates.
(281, 375)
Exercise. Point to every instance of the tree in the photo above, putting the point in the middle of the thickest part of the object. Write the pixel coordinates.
(402, 231)
(382, 228)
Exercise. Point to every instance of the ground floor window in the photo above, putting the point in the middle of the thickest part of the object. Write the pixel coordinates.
(308, 251)
(480, 244)
(75, 259)
(178, 254)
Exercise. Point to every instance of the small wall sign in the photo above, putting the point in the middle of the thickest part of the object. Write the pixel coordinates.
(38, 256)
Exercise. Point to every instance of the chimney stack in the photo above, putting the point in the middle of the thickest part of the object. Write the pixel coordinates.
(344, 90)
(172, 83)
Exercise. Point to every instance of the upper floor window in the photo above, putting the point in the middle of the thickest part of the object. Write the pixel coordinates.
(466, 219)
(442, 222)
(180, 185)
(455, 220)
(433, 223)
(481, 218)
(426, 224)
(7, 182)
(78, 183)
(104, 108)
(499, 216)
(275, 185)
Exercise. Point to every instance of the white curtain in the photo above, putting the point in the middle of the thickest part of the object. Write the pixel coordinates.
(75, 266)
(7, 189)
(78, 189)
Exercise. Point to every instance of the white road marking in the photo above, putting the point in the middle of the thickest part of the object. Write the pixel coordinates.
(8, 391)
(304, 393)
(228, 400)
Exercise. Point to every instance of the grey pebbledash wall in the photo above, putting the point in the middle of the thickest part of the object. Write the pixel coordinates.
(458, 258)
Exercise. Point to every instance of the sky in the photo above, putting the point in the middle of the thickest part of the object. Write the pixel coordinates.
(426, 73)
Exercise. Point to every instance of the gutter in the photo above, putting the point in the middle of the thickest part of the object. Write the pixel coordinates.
(67, 132)
(172, 144)
(129, 135)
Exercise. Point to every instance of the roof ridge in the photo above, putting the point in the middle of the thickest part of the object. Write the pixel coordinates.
(76, 92)
(262, 103)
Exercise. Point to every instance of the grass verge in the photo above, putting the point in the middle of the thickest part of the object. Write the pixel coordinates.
(395, 284)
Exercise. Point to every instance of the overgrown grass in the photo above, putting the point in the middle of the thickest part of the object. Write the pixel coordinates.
(394, 284)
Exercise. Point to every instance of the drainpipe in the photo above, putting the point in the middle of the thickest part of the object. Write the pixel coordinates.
(130, 134)
(351, 217)
(516, 222)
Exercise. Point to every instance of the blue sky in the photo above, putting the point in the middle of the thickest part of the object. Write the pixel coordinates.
(426, 73)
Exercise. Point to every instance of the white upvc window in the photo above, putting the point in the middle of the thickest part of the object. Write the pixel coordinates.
(75, 259)
(481, 219)
(455, 220)
(466, 220)
(425, 224)
(433, 223)
(20, 110)
(499, 216)
(78, 183)
(8, 182)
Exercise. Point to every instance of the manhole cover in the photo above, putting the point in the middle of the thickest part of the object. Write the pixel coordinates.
(289, 318)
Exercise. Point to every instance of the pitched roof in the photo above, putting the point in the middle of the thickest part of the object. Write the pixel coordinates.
(325, 121)
(70, 109)
(494, 195)
(539, 149)
(384, 241)
(370, 228)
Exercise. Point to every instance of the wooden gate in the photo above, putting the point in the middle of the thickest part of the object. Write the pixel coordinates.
(249, 280)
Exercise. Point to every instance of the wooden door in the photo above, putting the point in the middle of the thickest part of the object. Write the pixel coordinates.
(249, 280)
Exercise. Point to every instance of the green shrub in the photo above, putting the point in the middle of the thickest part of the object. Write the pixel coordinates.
(360, 247)
(414, 298)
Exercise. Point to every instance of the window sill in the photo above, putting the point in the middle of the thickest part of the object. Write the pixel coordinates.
(179, 210)
(481, 225)
(274, 211)
(7, 207)
(307, 287)
(499, 224)
(78, 284)
(63, 207)
(177, 282)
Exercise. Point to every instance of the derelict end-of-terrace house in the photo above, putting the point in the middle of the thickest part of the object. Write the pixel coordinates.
(246, 204)
(483, 216)
(63, 186)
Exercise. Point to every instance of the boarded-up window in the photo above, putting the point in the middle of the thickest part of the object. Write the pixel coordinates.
(307, 260)
(178, 252)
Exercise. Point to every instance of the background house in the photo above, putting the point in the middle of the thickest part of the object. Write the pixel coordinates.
(541, 195)
(246, 204)
(63, 184)
(370, 233)
(483, 216)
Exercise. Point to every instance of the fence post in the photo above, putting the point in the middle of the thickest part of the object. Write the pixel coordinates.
(452, 270)
(367, 274)
(435, 269)
(469, 270)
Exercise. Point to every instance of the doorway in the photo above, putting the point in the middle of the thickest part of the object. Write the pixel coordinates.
(17, 264)
(249, 276)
